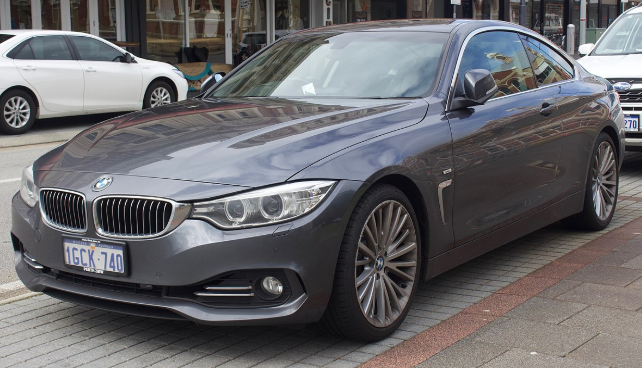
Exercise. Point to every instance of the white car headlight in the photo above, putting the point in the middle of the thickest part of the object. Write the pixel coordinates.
(175, 70)
(29, 192)
(264, 206)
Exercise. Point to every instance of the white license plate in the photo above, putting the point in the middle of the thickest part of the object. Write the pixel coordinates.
(631, 123)
(94, 255)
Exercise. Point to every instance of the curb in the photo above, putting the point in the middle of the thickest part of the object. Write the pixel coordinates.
(28, 295)
(432, 341)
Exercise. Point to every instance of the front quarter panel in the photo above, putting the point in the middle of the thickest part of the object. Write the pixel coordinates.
(421, 153)
(152, 71)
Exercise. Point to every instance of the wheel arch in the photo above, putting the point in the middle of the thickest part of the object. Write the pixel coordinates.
(416, 198)
(163, 79)
(27, 90)
(614, 136)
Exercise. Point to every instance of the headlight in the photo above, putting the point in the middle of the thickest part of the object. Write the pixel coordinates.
(264, 206)
(28, 190)
(178, 72)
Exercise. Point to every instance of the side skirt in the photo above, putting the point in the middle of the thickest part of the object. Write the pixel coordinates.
(566, 207)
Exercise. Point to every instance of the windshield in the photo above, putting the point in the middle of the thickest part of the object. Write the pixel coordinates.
(353, 65)
(624, 37)
(4, 37)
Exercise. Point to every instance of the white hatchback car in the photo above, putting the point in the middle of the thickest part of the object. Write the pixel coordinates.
(617, 56)
(45, 74)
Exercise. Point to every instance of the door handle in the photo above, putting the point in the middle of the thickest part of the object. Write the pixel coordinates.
(547, 109)
(90, 70)
(28, 67)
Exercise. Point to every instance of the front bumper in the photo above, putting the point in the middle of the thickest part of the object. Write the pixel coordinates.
(304, 251)
(633, 140)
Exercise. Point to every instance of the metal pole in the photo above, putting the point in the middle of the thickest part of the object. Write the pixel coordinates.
(454, 11)
(582, 22)
(522, 13)
(570, 39)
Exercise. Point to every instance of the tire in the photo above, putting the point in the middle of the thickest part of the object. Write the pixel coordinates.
(602, 185)
(18, 112)
(381, 283)
(158, 93)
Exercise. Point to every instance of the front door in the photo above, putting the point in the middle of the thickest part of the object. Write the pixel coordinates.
(506, 151)
(46, 63)
(110, 84)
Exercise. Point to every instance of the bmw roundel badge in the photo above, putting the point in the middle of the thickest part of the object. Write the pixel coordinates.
(102, 183)
(622, 86)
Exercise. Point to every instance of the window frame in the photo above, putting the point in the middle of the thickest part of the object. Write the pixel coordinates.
(453, 83)
(79, 56)
(528, 63)
(553, 50)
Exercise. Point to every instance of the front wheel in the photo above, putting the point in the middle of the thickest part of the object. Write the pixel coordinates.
(158, 93)
(601, 188)
(378, 267)
(18, 112)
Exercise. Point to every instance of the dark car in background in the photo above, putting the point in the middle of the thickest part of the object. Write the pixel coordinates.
(325, 178)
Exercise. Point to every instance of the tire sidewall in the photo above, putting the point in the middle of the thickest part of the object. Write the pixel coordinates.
(593, 218)
(4, 125)
(351, 240)
(147, 103)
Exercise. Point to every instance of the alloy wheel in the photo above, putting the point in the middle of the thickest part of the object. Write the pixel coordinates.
(604, 181)
(386, 263)
(159, 97)
(17, 112)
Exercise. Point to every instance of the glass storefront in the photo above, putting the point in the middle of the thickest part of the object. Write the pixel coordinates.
(514, 12)
(249, 29)
(51, 14)
(348, 11)
(20, 14)
(107, 19)
(79, 10)
(485, 9)
(629, 4)
(165, 29)
(553, 21)
(608, 10)
(207, 30)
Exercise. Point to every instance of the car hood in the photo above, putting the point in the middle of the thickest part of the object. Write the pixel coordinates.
(245, 142)
(614, 66)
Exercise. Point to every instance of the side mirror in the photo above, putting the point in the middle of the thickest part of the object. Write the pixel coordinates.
(585, 49)
(128, 58)
(479, 87)
(212, 80)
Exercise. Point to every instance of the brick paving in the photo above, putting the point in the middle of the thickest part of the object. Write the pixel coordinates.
(558, 323)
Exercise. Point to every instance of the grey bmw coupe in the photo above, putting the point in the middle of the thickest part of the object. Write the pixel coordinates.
(324, 178)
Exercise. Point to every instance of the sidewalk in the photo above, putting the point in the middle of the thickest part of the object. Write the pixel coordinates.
(553, 298)
(589, 314)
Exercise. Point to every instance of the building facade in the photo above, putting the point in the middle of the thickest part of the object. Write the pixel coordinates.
(228, 31)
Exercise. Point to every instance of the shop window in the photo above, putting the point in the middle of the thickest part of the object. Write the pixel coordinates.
(51, 16)
(548, 65)
(20, 14)
(94, 50)
(503, 55)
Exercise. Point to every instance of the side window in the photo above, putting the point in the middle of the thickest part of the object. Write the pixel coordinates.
(49, 48)
(501, 53)
(25, 53)
(94, 50)
(548, 65)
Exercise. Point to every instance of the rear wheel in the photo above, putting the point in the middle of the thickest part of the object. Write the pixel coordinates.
(601, 188)
(378, 267)
(18, 112)
(158, 93)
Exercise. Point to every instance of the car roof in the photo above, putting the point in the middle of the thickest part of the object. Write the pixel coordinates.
(409, 25)
(30, 32)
